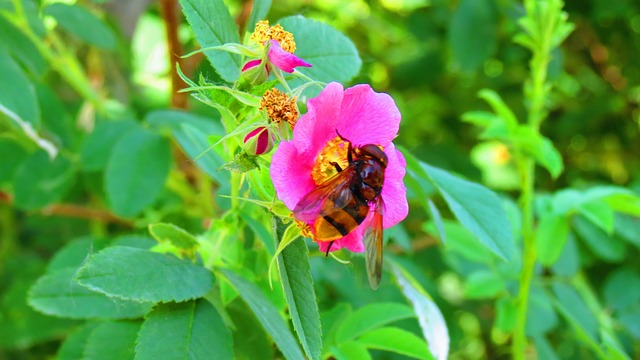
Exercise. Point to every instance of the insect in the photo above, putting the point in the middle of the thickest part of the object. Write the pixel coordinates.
(341, 203)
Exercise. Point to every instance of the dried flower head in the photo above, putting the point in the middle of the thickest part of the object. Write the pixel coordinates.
(280, 107)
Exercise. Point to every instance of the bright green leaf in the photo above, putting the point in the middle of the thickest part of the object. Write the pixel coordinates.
(267, 314)
(371, 317)
(188, 330)
(483, 285)
(396, 340)
(17, 93)
(478, 209)
(141, 275)
(599, 213)
(17, 44)
(174, 235)
(214, 26)
(350, 350)
(297, 283)
(551, 236)
(137, 170)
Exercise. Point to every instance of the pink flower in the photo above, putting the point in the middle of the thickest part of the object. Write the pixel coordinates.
(363, 117)
(279, 58)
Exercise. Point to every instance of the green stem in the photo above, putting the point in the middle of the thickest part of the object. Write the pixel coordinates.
(64, 62)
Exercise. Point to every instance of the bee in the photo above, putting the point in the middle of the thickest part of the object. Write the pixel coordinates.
(341, 203)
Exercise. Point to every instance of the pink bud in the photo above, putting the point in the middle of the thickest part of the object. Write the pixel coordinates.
(259, 141)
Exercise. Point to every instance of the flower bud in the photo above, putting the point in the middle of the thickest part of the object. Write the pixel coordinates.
(254, 73)
(259, 141)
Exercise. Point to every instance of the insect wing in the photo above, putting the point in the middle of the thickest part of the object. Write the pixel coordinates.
(332, 195)
(373, 246)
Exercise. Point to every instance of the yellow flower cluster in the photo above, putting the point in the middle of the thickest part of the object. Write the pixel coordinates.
(280, 107)
(263, 32)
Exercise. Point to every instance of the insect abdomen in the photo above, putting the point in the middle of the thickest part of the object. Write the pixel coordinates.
(339, 223)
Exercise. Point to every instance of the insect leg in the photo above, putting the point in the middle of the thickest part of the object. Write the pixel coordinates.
(336, 165)
(328, 249)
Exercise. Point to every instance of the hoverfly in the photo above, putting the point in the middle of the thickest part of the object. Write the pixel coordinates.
(341, 203)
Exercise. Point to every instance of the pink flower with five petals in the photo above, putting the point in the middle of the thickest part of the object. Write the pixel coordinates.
(363, 117)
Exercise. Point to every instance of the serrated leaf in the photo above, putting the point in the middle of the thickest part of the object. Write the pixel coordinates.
(189, 330)
(477, 208)
(371, 317)
(142, 275)
(214, 26)
(267, 314)
(112, 340)
(56, 294)
(241, 163)
(74, 253)
(551, 236)
(40, 180)
(332, 55)
(396, 340)
(297, 283)
(434, 328)
(137, 170)
(83, 24)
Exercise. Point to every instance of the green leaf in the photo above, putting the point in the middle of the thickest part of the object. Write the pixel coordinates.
(137, 170)
(141, 275)
(483, 285)
(502, 110)
(437, 221)
(599, 213)
(98, 146)
(83, 24)
(178, 237)
(396, 340)
(250, 341)
(297, 283)
(74, 253)
(541, 315)
(12, 154)
(214, 26)
(332, 55)
(259, 12)
(628, 228)
(40, 181)
(56, 294)
(551, 236)
(371, 317)
(194, 142)
(189, 330)
(267, 314)
(17, 93)
(242, 163)
(22, 49)
(431, 321)
(622, 289)
(606, 247)
(350, 350)
(73, 346)
(112, 340)
(544, 349)
(174, 119)
(477, 208)
(575, 310)
(473, 34)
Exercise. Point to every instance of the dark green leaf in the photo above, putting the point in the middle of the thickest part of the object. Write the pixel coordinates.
(78, 21)
(371, 317)
(74, 253)
(295, 274)
(56, 294)
(195, 144)
(189, 330)
(214, 26)
(142, 275)
(21, 48)
(622, 289)
(544, 349)
(250, 341)
(575, 310)
(472, 34)
(137, 170)
(478, 209)
(605, 247)
(17, 93)
(40, 181)
(332, 55)
(541, 316)
(98, 146)
(267, 314)
(396, 340)
(12, 154)
(112, 340)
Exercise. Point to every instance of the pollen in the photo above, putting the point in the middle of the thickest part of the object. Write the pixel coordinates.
(334, 153)
(263, 33)
(305, 229)
(280, 107)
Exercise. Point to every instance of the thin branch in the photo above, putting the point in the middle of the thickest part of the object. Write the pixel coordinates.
(171, 15)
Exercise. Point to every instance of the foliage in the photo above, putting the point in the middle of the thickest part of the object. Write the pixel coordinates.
(134, 225)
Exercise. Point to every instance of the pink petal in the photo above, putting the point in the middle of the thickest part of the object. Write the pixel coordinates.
(291, 174)
(250, 64)
(394, 193)
(315, 128)
(284, 60)
(368, 117)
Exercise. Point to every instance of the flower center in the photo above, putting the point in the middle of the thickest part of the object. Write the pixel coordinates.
(263, 33)
(279, 107)
(335, 152)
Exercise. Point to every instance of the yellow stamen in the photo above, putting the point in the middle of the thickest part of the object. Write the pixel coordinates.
(280, 107)
(305, 229)
(263, 32)
(335, 152)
